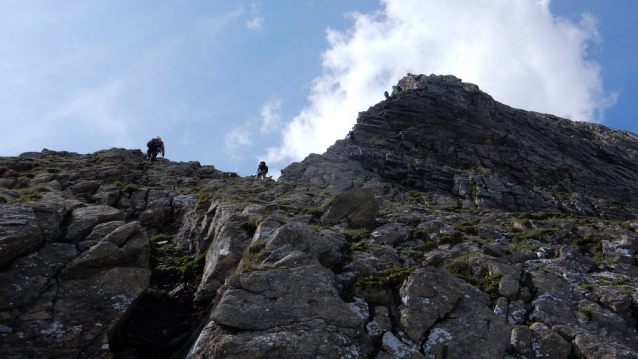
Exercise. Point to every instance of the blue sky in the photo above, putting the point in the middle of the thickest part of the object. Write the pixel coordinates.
(231, 83)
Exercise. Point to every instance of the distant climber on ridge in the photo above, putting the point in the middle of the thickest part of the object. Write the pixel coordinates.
(386, 94)
(350, 136)
(155, 145)
(262, 169)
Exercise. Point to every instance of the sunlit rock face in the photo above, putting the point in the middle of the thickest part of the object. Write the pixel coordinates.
(454, 227)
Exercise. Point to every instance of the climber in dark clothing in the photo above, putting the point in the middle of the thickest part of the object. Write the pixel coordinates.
(155, 145)
(386, 94)
(262, 170)
(350, 136)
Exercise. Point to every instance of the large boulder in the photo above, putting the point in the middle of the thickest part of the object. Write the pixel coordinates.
(306, 340)
(43, 315)
(325, 246)
(357, 205)
(126, 246)
(229, 241)
(262, 300)
(19, 232)
(83, 220)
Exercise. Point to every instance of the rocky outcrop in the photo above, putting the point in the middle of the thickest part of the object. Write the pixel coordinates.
(455, 227)
(455, 142)
(357, 206)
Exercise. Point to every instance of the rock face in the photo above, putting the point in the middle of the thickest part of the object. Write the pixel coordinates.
(453, 141)
(357, 206)
(456, 227)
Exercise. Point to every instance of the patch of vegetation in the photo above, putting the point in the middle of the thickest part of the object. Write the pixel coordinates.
(168, 259)
(34, 189)
(255, 200)
(31, 197)
(162, 237)
(29, 194)
(475, 190)
(416, 195)
(461, 264)
(537, 234)
(255, 253)
(460, 267)
(621, 282)
(390, 277)
(468, 226)
(316, 212)
(453, 238)
(537, 215)
(3, 169)
(418, 251)
(356, 234)
(419, 233)
(589, 287)
(251, 224)
(588, 245)
(562, 196)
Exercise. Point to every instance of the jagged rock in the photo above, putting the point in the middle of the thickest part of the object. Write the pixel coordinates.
(523, 255)
(589, 346)
(500, 308)
(126, 246)
(265, 300)
(391, 234)
(398, 349)
(357, 205)
(84, 187)
(268, 226)
(440, 164)
(325, 246)
(225, 251)
(29, 275)
(307, 340)
(508, 287)
(516, 313)
(554, 300)
(19, 232)
(84, 219)
(547, 343)
(471, 330)
(521, 341)
(427, 295)
(157, 212)
(49, 215)
(380, 323)
(107, 195)
(614, 251)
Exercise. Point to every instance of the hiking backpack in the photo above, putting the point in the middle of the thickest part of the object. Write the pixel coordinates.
(152, 143)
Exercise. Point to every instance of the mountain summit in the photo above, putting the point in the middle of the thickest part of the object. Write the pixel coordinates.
(447, 138)
(452, 227)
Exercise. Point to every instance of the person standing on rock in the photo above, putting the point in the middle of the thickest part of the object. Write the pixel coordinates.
(350, 136)
(155, 145)
(387, 95)
(262, 170)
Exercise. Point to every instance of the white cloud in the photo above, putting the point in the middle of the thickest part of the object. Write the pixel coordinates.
(271, 117)
(256, 21)
(517, 51)
(235, 140)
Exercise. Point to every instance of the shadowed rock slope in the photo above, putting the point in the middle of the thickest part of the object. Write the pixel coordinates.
(455, 227)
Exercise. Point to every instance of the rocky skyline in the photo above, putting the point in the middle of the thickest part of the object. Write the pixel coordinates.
(453, 227)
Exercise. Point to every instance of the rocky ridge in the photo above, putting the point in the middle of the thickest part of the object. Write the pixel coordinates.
(454, 227)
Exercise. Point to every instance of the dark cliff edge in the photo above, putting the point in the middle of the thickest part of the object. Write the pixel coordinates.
(453, 227)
